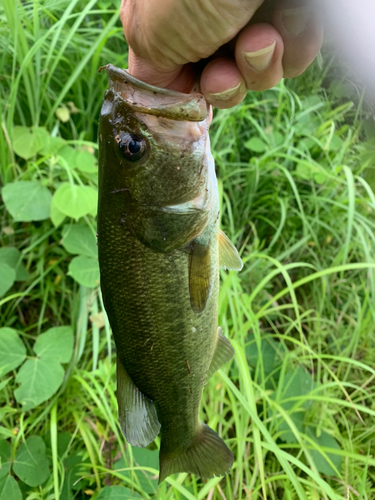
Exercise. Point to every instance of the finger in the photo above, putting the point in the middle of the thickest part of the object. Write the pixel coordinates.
(301, 29)
(259, 51)
(180, 78)
(222, 83)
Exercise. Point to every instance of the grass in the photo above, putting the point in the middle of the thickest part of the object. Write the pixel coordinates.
(294, 166)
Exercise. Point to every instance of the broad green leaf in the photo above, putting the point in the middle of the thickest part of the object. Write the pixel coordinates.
(63, 441)
(369, 128)
(69, 154)
(56, 343)
(7, 278)
(144, 458)
(312, 101)
(3, 384)
(342, 89)
(94, 211)
(12, 257)
(86, 162)
(26, 143)
(6, 433)
(292, 397)
(81, 159)
(307, 143)
(57, 217)
(326, 441)
(297, 383)
(311, 172)
(5, 454)
(256, 144)
(147, 458)
(334, 144)
(75, 201)
(304, 171)
(9, 489)
(306, 124)
(85, 270)
(367, 156)
(41, 133)
(20, 131)
(79, 239)
(27, 200)
(31, 463)
(369, 175)
(117, 493)
(271, 355)
(53, 145)
(286, 434)
(39, 379)
(74, 479)
(50, 145)
(12, 350)
(320, 178)
(278, 138)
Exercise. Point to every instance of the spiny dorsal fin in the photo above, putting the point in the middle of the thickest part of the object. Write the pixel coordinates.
(229, 258)
(223, 353)
(137, 414)
(200, 276)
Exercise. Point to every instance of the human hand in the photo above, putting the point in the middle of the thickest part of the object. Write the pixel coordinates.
(253, 43)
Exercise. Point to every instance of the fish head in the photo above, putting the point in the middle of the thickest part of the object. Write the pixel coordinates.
(154, 157)
(153, 141)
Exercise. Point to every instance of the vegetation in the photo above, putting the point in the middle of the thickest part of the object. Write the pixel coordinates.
(296, 405)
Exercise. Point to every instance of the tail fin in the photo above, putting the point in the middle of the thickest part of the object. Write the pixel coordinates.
(207, 456)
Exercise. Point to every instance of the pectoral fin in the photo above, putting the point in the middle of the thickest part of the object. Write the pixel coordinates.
(229, 258)
(200, 276)
(223, 353)
(137, 414)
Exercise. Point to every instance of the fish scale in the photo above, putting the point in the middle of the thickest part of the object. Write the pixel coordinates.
(160, 249)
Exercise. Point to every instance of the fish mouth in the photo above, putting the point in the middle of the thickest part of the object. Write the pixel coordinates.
(144, 98)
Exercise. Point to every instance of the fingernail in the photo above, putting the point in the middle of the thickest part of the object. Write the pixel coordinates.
(295, 20)
(226, 95)
(261, 59)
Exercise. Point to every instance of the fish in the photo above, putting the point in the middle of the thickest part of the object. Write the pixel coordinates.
(160, 248)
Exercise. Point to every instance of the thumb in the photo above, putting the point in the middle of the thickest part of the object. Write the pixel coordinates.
(180, 78)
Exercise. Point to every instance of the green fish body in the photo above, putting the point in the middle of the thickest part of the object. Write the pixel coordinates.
(160, 248)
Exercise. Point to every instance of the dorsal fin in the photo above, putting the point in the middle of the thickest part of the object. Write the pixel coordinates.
(229, 258)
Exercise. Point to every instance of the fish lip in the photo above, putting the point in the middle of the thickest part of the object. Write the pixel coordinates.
(170, 103)
(124, 76)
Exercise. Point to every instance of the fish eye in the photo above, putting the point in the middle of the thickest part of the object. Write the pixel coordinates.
(133, 146)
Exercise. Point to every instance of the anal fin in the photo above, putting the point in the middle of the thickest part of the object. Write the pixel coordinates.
(137, 414)
(200, 276)
(223, 353)
(228, 255)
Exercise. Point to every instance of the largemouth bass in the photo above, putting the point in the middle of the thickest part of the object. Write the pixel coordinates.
(160, 248)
